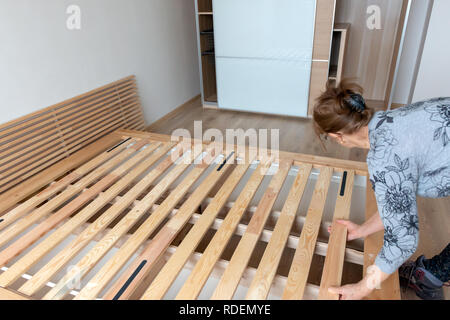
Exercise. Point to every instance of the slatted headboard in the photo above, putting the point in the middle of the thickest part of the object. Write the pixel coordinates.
(34, 142)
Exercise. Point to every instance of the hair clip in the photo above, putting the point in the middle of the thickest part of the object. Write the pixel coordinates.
(356, 103)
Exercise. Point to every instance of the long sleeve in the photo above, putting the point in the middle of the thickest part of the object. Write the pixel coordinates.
(409, 155)
(395, 185)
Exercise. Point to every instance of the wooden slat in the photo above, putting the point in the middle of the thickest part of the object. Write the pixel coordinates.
(71, 191)
(298, 274)
(390, 288)
(57, 121)
(32, 153)
(23, 149)
(42, 155)
(109, 270)
(16, 194)
(59, 260)
(106, 243)
(119, 179)
(123, 287)
(78, 126)
(91, 136)
(33, 135)
(241, 256)
(279, 281)
(265, 273)
(338, 165)
(334, 261)
(36, 145)
(78, 99)
(202, 270)
(34, 142)
(44, 125)
(351, 255)
(7, 294)
(54, 188)
(172, 268)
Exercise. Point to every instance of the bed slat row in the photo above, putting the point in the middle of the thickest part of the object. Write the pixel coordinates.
(34, 142)
(128, 222)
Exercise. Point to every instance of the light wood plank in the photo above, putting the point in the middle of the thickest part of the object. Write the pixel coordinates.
(16, 194)
(59, 185)
(48, 122)
(35, 138)
(78, 99)
(109, 270)
(15, 229)
(34, 142)
(334, 261)
(338, 165)
(7, 294)
(61, 258)
(119, 179)
(172, 268)
(265, 273)
(77, 144)
(202, 270)
(241, 256)
(123, 288)
(298, 274)
(119, 230)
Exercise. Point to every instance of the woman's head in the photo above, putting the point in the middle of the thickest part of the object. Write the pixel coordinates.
(341, 113)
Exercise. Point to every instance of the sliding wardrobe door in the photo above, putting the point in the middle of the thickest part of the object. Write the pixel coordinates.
(263, 54)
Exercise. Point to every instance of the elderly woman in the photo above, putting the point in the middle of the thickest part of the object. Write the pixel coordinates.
(409, 155)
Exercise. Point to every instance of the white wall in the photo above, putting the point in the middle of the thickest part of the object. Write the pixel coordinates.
(434, 72)
(43, 63)
(412, 49)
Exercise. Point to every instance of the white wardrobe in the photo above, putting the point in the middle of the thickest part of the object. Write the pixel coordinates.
(275, 56)
(263, 61)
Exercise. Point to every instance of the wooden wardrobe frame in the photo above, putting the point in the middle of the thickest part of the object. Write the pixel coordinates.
(109, 177)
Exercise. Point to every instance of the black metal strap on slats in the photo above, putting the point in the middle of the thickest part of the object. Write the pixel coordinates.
(130, 280)
(344, 181)
(119, 144)
(225, 161)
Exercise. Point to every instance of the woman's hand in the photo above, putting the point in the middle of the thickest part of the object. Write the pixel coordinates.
(355, 291)
(373, 279)
(352, 228)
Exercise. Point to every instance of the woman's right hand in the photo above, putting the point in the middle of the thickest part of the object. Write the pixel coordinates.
(353, 229)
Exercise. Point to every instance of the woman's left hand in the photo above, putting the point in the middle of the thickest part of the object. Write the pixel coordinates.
(355, 291)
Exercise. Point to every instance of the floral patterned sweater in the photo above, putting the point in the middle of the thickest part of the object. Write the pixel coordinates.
(409, 155)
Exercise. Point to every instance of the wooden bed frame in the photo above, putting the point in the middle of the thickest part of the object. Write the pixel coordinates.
(125, 215)
(111, 175)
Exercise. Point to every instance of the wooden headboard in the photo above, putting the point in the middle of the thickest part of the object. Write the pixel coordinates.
(32, 143)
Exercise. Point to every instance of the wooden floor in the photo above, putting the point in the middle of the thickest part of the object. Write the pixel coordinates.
(297, 135)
